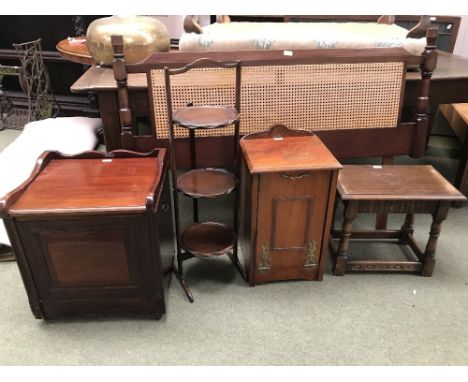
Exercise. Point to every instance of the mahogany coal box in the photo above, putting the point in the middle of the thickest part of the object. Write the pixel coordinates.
(93, 233)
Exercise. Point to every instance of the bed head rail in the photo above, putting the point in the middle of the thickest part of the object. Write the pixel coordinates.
(331, 91)
(281, 57)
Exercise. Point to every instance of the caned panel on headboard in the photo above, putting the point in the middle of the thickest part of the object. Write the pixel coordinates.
(306, 96)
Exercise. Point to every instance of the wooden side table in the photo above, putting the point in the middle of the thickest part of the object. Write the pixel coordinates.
(93, 233)
(75, 49)
(287, 192)
(392, 189)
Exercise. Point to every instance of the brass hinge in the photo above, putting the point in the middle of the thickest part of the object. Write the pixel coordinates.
(265, 264)
(311, 254)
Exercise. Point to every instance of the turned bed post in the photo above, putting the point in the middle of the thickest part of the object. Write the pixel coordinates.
(120, 75)
(422, 104)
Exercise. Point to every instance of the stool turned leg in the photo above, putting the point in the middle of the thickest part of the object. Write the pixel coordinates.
(381, 219)
(461, 180)
(350, 211)
(429, 254)
(335, 209)
(407, 229)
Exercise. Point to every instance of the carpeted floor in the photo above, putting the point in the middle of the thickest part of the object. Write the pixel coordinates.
(7, 136)
(358, 319)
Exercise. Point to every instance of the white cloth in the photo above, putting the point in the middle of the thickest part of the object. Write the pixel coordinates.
(69, 135)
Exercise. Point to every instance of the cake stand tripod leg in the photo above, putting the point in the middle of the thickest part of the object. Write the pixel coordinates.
(183, 284)
(235, 260)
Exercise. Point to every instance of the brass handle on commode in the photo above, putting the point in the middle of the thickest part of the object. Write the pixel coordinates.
(294, 177)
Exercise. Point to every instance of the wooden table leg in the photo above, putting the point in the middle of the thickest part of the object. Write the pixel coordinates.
(461, 180)
(407, 229)
(381, 219)
(350, 212)
(429, 254)
(335, 208)
(109, 112)
(6, 253)
(183, 284)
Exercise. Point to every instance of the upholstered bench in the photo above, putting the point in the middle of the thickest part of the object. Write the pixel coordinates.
(69, 135)
(392, 189)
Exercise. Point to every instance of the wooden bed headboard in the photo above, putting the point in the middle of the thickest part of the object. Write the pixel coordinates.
(303, 87)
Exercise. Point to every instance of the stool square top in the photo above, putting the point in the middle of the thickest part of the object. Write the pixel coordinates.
(265, 155)
(91, 185)
(395, 182)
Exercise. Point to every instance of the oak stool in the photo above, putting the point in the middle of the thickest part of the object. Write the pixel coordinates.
(392, 189)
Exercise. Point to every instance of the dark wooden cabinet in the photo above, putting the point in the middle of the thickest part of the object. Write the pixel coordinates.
(286, 202)
(94, 234)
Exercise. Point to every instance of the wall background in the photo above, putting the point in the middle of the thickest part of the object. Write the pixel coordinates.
(175, 23)
(461, 46)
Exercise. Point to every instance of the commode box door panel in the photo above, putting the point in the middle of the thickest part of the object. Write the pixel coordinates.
(291, 217)
(99, 258)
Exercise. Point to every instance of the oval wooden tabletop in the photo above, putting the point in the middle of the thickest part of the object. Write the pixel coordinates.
(208, 239)
(206, 117)
(75, 49)
(206, 182)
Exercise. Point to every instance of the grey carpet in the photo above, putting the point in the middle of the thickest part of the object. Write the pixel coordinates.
(7, 136)
(358, 319)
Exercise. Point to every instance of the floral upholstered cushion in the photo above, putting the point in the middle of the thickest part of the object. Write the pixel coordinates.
(280, 36)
